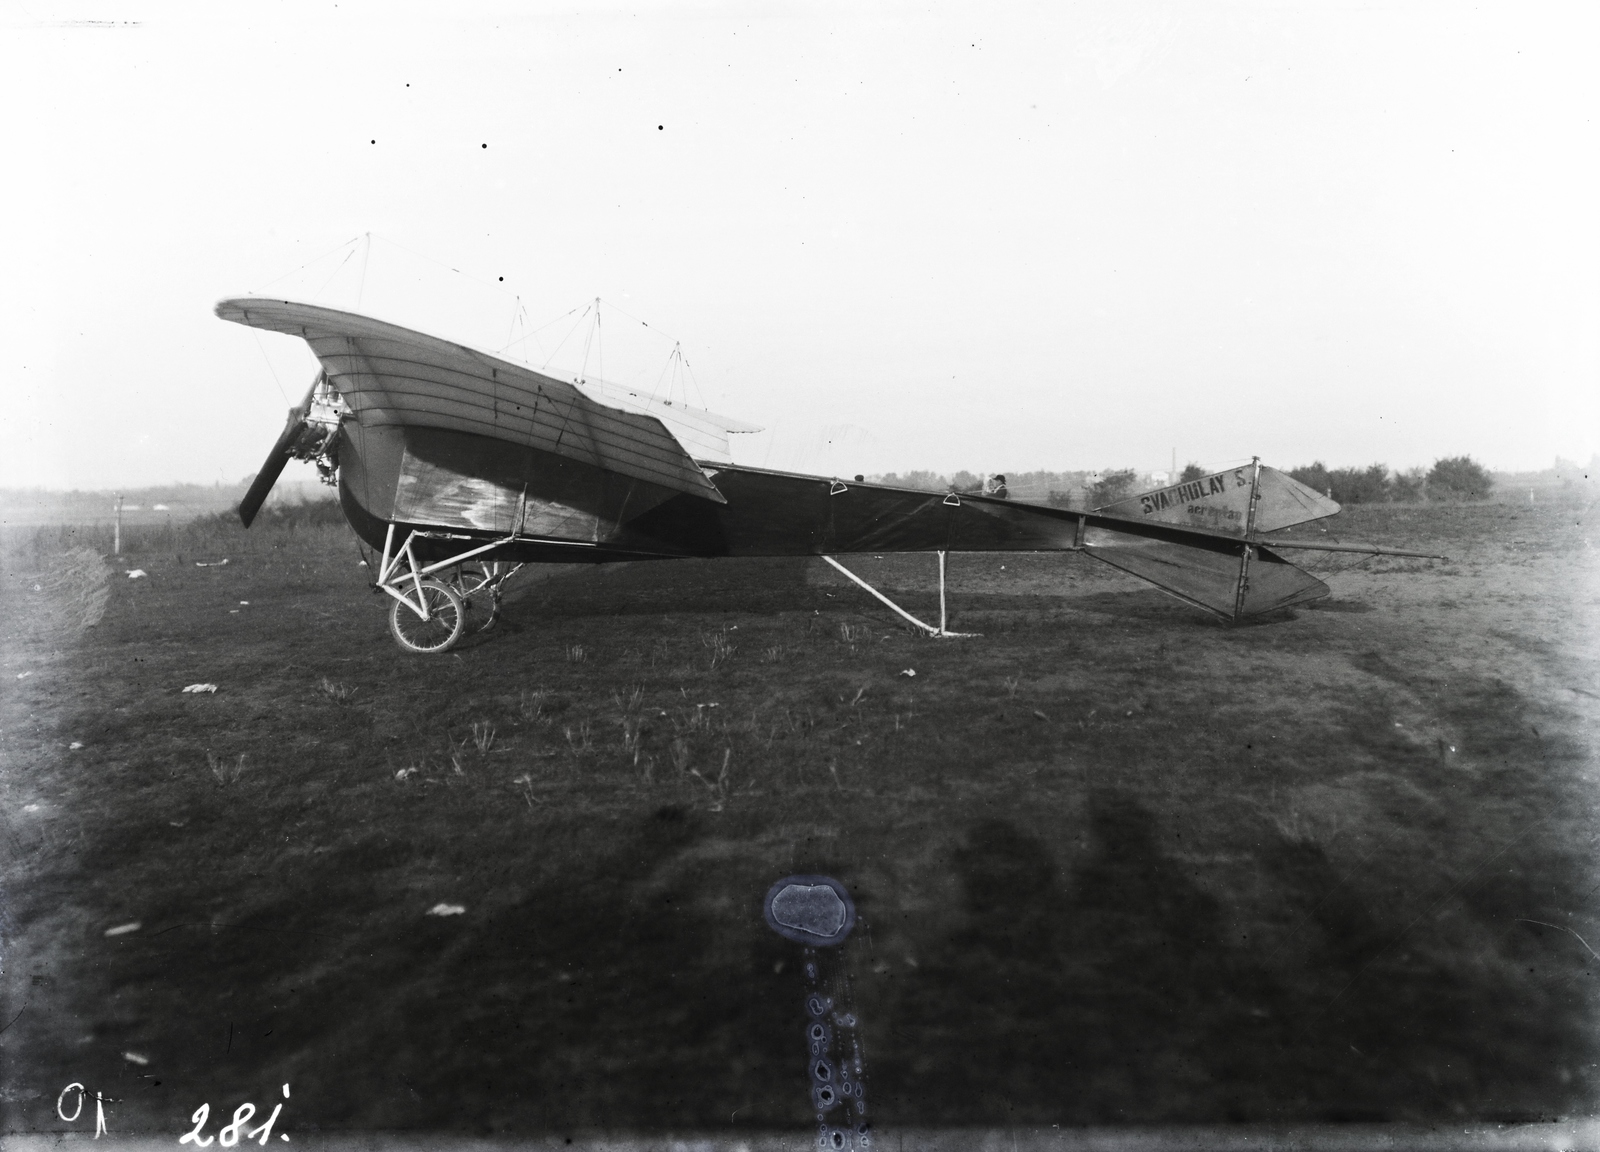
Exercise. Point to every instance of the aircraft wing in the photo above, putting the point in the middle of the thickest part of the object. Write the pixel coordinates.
(704, 434)
(395, 376)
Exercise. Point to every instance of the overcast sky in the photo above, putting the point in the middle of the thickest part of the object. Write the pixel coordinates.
(993, 237)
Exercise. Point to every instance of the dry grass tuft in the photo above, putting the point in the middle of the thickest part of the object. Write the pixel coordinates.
(223, 770)
(340, 692)
(719, 646)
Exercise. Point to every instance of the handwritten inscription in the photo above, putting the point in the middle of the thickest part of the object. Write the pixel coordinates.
(230, 1134)
(77, 1092)
(62, 1099)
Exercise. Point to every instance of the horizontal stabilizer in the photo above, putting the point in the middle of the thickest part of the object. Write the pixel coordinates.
(1207, 576)
(1221, 503)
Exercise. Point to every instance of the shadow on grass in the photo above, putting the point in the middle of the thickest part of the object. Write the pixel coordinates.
(1330, 604)
(604, 997)
(637, 988)
(1120, 996)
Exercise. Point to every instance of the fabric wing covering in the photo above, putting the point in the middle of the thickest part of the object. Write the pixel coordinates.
(705, 434)
(391, 375)
(1220, 503)
(1207, 577)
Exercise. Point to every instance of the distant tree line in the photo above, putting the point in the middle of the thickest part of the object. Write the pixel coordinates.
(922, 480)
(1061, 489)
(938, 482)
(1452, 478)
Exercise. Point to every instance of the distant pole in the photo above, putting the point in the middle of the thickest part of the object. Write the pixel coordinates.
(1174, 472)
(116, 530)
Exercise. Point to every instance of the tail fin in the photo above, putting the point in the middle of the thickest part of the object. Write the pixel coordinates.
(1221, 503)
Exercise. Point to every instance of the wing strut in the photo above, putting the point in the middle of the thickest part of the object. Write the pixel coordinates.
(1249, 532)
(938, 633)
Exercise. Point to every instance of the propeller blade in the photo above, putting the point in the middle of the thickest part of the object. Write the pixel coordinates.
(276, 459)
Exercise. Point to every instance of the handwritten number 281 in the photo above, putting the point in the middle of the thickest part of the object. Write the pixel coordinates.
(230, 1133)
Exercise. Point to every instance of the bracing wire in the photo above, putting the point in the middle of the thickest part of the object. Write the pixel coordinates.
(335, 272)
(689, 371)
(313, 260)
(676, 364)
(676, 353)
(565, 338)
(369, 237)
(440, 263)
(1223, 465)
(588, 341)
(256, 332)
(517, 316)
(366, 258)
(672, 366)
(594, 343)
(630, 316)
(535, 332)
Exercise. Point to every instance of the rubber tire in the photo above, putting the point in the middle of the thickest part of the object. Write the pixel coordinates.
(446, 622)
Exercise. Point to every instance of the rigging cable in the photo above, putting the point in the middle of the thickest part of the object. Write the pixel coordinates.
(366, 258)
(313, 260)
(317, 295)
(535, 332)
(675, 355)
(689, 369)
(565, 338)
(672, 364)
(592, 340)
(516, 318)
(256, 332)
(493, 287)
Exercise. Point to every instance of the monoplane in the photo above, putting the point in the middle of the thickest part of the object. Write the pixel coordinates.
(458, 467)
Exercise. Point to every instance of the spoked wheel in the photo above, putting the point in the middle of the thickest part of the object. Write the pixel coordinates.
(478, 585)
(447, 619)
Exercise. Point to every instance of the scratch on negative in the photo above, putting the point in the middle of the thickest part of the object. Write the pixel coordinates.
(1559, 928)
(1451, 891)
(20, 1011)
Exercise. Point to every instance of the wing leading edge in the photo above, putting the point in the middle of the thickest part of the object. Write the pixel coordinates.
(390, 375)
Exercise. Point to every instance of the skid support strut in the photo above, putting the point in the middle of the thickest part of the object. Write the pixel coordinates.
(938, 633)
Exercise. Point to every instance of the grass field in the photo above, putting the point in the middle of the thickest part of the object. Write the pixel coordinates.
(1115, 862)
